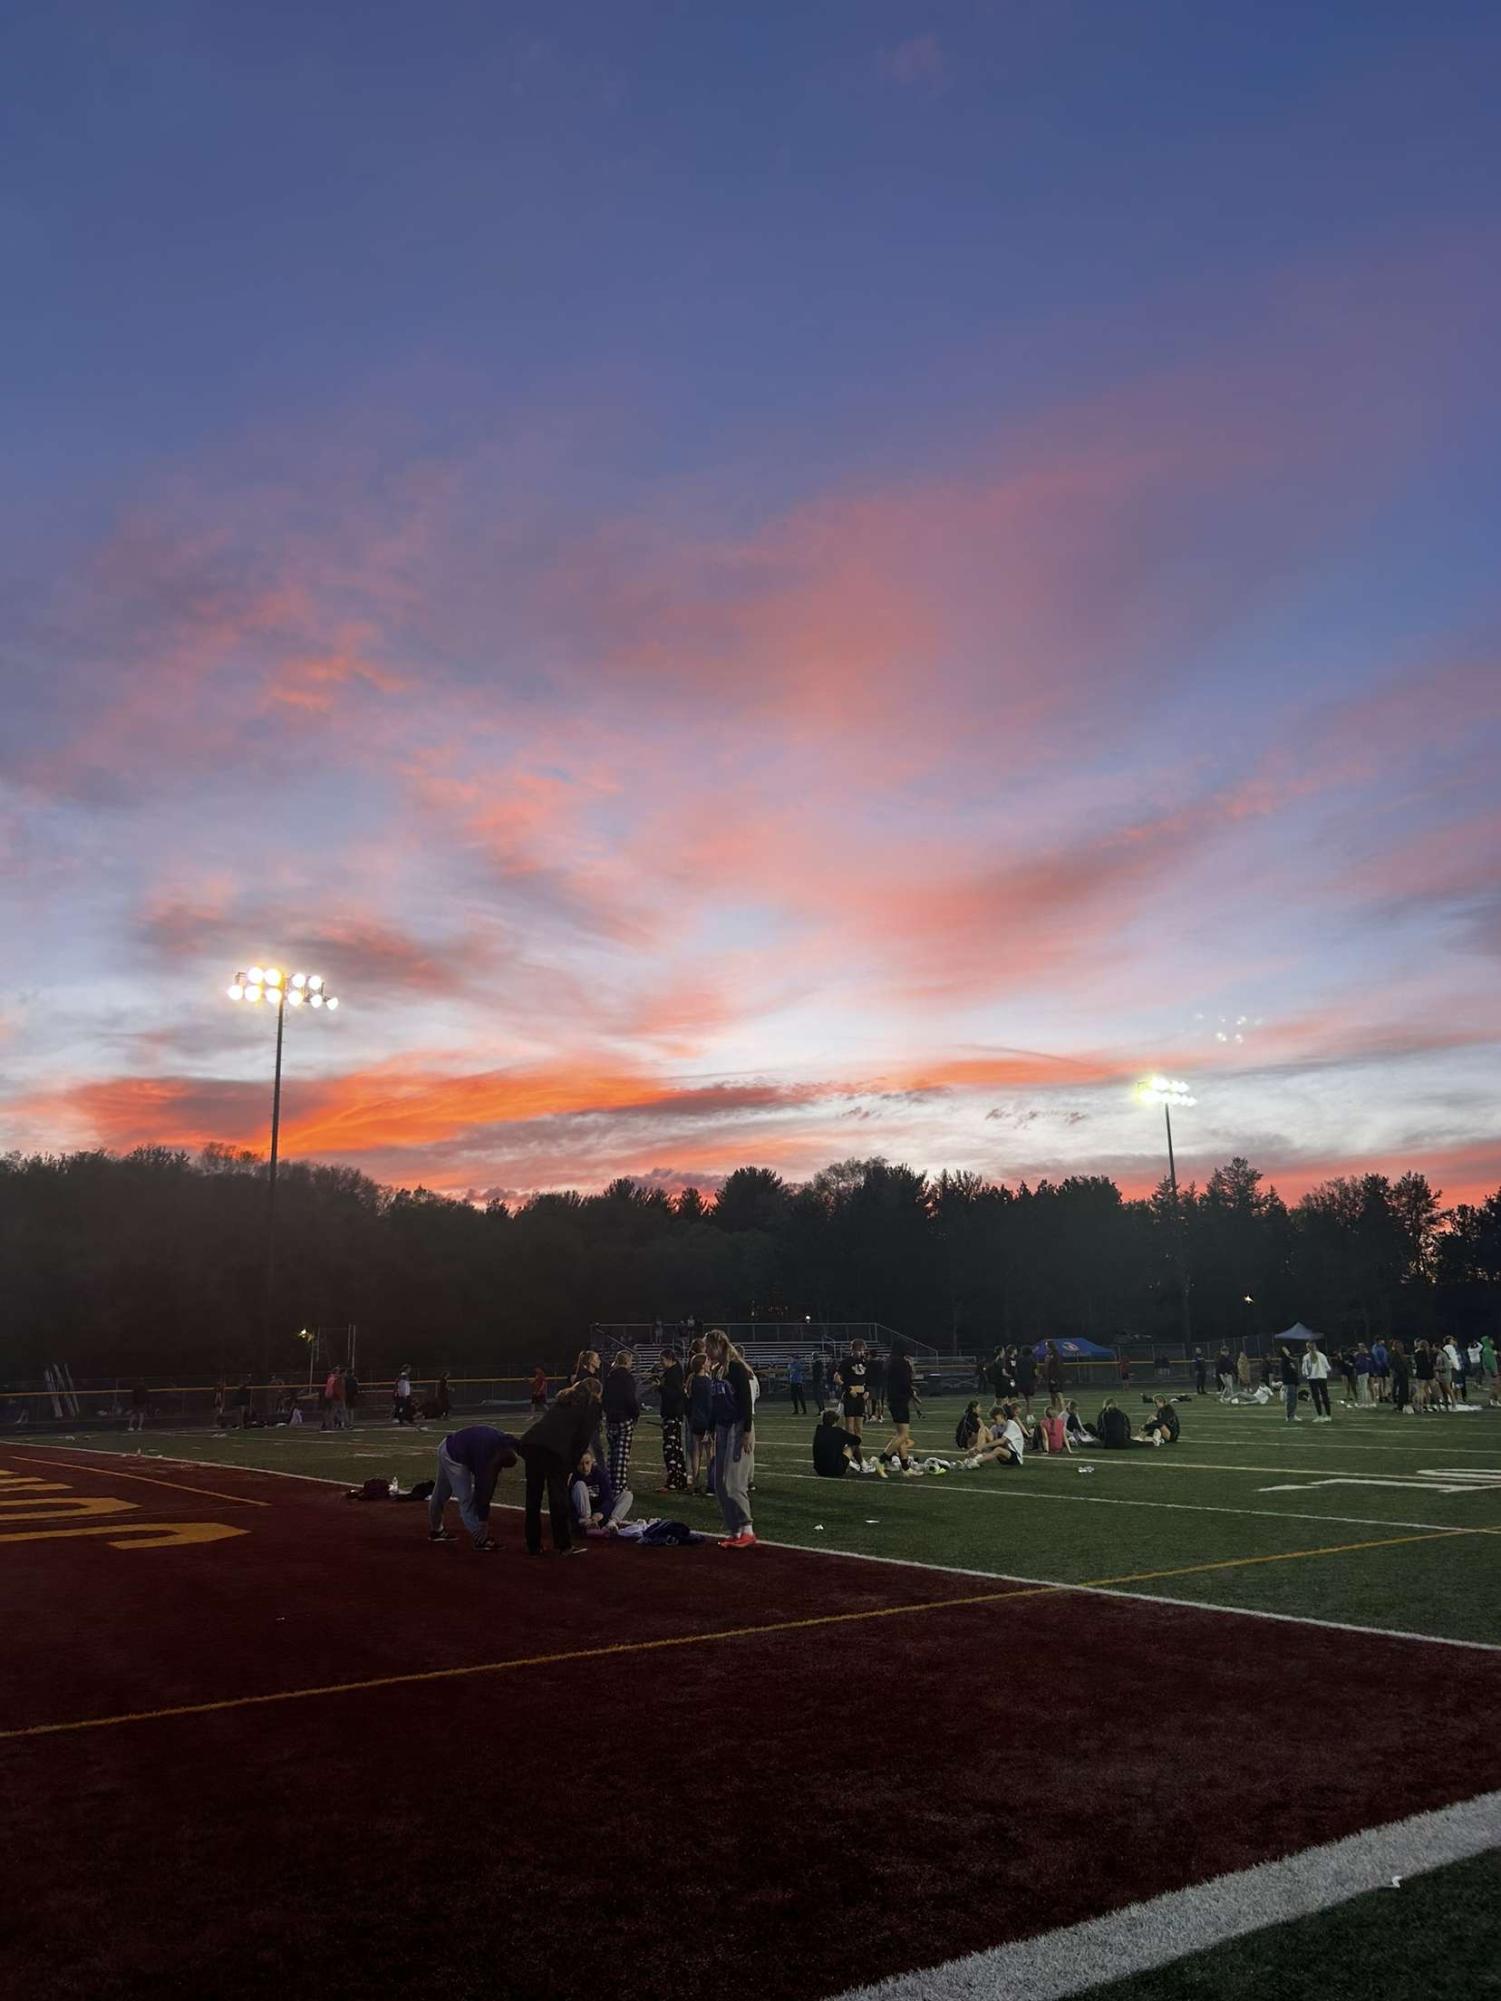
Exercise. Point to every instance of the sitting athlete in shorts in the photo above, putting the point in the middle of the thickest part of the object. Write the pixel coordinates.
(1004, 1444)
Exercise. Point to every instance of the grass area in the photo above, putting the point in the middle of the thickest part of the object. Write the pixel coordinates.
(1374, 1520)
(1438, 1938)
(1377, 1521)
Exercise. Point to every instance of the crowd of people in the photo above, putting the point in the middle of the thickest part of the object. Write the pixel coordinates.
(577, 1451)
(1433, 1377)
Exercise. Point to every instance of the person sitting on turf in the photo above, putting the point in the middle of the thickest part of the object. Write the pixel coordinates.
(833, 1447)
(967, 1430)
(1112, 1427)
(469, 1464)
(1163, 1426)
(1005, 1443)
(1075, 1429)
(597, 1506)
(1053, 1425)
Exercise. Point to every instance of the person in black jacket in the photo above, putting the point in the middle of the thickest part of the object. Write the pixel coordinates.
(551, 1448)
(833, 1447)
(1112, 1427)
(622, 1407)
(1026, 1378)
(1287, 1363)
(1163, 1426)
(902, 1392)
(673, 1401)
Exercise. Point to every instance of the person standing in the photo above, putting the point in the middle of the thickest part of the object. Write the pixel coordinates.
(699, 1391)
(1381, 1369)
(795, 1387)
(1201, 1371)
(622, 1408)
(734, 1440)
(401, 1395)
(875, 1386)
(1401, 1379)
(1051, 1370)
(333, 1401)
(1488, 1366)
(672, 1399)
(1026, 1377)
(850, 1378)
(1288, 1362)
(469, 1464)
(1001, 1382)
(351, 1395)
(441, 1398)
(538, 1389)
(902, 1390)
(137, 1418)
(1224, 1368)
(1362, 1373)
(1422, 1376)
(550, 1449)
(818, 1380)
(1316, 1375)
(1243, 1373)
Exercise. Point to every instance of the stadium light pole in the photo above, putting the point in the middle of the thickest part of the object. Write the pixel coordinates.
(269, 986)
(1167, 1092)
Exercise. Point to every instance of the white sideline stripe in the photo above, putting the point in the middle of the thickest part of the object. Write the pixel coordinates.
(1143, 1597)
(962, 1570)
(1164, 1929)
(1013, 1490)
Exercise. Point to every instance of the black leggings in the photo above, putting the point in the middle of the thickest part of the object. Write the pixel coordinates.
(549, 1470)
(799, 1401)
(1319, 1391)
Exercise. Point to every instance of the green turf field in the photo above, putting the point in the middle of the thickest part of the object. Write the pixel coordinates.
(1376, 1521)
(1373, 1520)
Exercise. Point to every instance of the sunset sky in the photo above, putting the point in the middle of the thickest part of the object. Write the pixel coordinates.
(755, 584)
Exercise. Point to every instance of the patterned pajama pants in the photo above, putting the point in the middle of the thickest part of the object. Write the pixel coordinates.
(673, 1457)
(620, 1432)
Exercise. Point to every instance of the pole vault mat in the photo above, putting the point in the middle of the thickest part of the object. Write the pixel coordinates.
(262, 1741)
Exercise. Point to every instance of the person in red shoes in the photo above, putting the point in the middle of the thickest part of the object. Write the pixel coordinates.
(734, 1411)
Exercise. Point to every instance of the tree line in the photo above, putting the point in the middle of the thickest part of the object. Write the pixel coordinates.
(153, 1261)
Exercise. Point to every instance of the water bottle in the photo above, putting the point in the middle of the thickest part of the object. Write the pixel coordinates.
(395, 1488)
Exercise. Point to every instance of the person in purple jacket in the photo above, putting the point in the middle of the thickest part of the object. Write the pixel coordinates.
(469, 1464)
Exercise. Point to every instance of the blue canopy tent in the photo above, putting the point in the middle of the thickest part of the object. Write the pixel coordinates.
(1083, 1351)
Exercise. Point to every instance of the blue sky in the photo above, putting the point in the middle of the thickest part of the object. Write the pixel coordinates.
(758, 583)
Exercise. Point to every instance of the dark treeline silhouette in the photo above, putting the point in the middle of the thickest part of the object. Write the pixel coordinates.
(153, 1261)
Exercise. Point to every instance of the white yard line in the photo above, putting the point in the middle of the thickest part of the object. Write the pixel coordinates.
(1156, 1933)
(999, 1576)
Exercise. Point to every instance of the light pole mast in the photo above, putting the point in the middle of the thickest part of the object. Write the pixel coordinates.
(267, 984)
(1167, 1092)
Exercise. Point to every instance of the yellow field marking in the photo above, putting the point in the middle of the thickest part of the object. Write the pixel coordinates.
(150, 1480)
(26, 1509)
(133, 1535)
(1279, 1556)
(620, 1647)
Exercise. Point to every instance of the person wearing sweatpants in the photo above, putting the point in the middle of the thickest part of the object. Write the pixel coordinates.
(734, 1442)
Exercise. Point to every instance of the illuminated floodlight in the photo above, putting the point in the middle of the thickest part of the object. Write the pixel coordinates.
(315, 981)
(252, 993)
(273, 977)
(332, 1002)
(315, 1000)
(299, 980)
(237, 990)
(294, 998)
(1164, 1091)
(255, 976)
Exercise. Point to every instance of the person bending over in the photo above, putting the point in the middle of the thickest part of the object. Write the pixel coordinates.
(469, 1464)
(551, 1448)
(833, 1447)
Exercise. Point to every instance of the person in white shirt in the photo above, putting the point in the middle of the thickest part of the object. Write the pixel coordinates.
(1004, 1445)
(1316, 1375)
